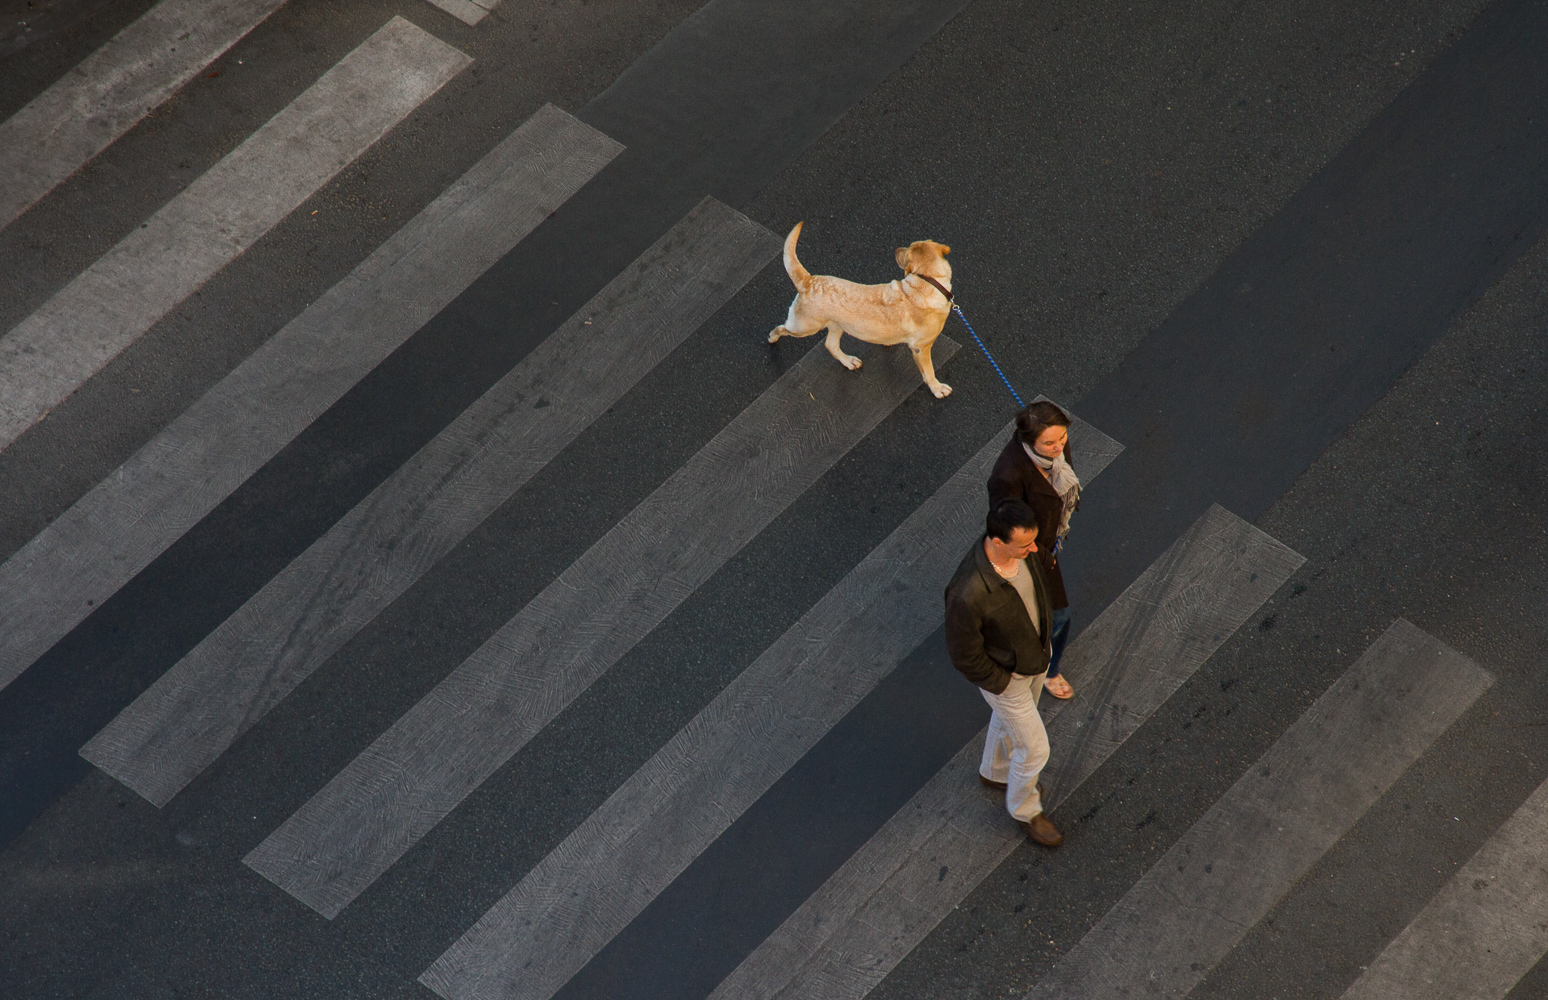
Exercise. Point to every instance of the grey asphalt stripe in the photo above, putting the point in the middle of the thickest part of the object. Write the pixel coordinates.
(112, 89)
(80, 560)
(1234, 864)
(222, 213)
(1483, 931)
(875, 909)
(609, 869)
(466, 11)
(605, 602)
(374, 553)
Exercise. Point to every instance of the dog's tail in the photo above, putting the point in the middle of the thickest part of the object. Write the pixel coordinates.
(798, 274)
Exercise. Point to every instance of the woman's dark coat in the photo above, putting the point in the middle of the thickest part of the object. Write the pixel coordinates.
(1016, 477)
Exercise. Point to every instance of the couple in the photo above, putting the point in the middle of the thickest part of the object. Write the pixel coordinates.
(1007, 615)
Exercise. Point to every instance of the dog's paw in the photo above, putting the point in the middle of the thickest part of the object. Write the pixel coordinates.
(941, 390)
(851, 362)
(775, 334)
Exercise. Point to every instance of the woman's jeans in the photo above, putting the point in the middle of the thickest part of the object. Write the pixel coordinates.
(1061, 632)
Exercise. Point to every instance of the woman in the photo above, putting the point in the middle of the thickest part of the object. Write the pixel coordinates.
(1035, 469)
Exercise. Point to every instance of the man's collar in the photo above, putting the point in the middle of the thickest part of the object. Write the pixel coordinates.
(985, 567)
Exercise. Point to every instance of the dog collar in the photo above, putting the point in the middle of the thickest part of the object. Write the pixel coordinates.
(942, 288)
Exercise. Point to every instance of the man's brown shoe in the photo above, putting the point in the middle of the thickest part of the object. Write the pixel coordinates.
(1042, 831)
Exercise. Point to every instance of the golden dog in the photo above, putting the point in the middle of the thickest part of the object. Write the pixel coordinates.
(909, 311)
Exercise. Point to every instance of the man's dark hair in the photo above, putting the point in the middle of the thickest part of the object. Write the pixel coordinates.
(1006, 516)
(1037, 418)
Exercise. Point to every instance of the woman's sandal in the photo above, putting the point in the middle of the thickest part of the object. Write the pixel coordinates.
(1059, 688)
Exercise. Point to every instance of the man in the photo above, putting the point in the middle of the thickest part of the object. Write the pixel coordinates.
(998, 631)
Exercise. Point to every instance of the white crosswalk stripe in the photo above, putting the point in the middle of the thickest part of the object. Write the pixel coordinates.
(469, 12)
(872, 912)
(600, 607)
(1244, 854)
(546, 928)
(1485, 929)
(112, 89)
(82, 558)
(390, 539)
(107, 307)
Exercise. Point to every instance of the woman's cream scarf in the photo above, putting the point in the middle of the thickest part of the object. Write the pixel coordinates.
(1064, 481)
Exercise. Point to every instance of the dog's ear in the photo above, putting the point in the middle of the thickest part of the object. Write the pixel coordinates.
(902, 257)
(944, 249)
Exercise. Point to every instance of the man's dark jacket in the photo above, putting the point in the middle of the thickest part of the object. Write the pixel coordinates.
(1015, 477)
(988, 631)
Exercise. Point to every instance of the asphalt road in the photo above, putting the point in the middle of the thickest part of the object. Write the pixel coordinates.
(1290, 256)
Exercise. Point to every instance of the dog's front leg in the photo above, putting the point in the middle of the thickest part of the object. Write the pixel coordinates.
(847, 360)
(927, 369)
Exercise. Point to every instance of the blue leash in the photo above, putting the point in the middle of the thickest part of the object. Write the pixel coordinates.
(958, 310)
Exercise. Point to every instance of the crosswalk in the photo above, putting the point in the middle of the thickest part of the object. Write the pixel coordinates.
(107, 94)
(609, 869)
(1291, 806)
(78, 562)
(72, 336)
(469, 12)
(390, 796)
(1164, 936)
(845, 939)
(376, 552)
(1483, 931)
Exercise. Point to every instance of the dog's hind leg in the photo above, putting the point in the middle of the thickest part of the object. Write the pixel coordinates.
(927, 369)
(795, 325)
(847, 360)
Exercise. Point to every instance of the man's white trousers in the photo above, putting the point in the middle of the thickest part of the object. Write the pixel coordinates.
(1016, 747)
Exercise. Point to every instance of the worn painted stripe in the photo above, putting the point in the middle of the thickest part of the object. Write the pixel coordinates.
(466, 11)
(222, 213)
(112, 89)
(609, 869)
(1244, 854)
(1483, 931)
(605, 602)
(875, 909)
(131, 517)
(392, 537)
